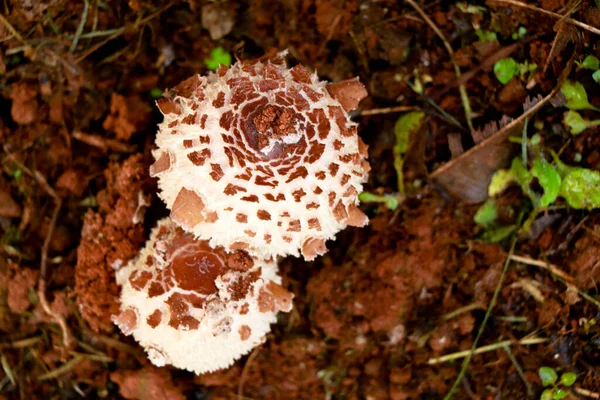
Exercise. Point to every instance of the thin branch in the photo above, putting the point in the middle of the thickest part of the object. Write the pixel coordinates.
(11, 29)
(488, 313)
(59, 319)
(240, 392)
(519, 370)
(586, 393)
(554, 270)
(559, 274)
(461, 87)
(387, 110)
(552, 14)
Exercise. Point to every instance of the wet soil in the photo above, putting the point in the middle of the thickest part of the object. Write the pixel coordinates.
(374, 317)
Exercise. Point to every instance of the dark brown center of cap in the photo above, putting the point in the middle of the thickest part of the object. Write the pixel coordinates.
(273, 122)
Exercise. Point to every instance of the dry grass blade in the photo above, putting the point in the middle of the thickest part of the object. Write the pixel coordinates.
(63, 369)
(461, 87)
(7, 370)
(485, 349)
(468, 176)
(21, 344)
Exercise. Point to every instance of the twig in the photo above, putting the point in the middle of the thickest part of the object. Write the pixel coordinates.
(485, 349)
(21, 344)
(554, 270)
(488, 313)
(587, 393)
(59, 319)
(86, 6)
(461, 87)
(387, 110)
(552, 14)
(519, 369)
(41, 292)
(330, 34)
(11, 29)
(63, 369)
(240, 392)
(462, 310)
(103, 143)
(559, 274)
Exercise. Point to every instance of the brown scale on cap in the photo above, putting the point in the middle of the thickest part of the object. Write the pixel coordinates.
(266, 131)
(188, 266)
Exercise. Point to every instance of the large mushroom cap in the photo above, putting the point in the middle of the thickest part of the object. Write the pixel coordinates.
(262, 158)
(194, 307)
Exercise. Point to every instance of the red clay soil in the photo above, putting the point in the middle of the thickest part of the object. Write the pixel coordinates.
(110, 238)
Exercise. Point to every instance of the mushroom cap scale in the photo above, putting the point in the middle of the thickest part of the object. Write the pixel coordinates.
(262, 158)
(194, 307)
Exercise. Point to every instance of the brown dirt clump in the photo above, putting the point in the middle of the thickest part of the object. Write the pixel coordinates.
(285, 370)
(110, 238)
(147, 383)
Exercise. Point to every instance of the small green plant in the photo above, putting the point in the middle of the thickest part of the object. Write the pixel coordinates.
(580, 187)
(156, 93)
(486, 36)
(406, 128)
(592, 63)
(555, 389)
(577, 124)
(389, 200)
(507, 68)
(218, 56)
(520, 33)
(576, 96)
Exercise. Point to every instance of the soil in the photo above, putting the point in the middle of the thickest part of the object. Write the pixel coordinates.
(78, 88)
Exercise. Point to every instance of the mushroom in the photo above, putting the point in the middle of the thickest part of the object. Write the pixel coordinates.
(262, 158)
(195, 307)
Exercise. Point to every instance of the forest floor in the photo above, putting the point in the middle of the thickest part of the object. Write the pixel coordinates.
(393, 309)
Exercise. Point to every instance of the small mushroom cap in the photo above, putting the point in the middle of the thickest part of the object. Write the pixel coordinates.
(262, 158)
(194, 307)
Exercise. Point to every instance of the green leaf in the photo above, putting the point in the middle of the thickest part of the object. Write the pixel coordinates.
(590, 62)
(568, 379)
(496, 235)
(559, 394)
(487, 214)
(156, 93)
(581, 188)
(549, 180)
(486, 36)
(575, 122)
(596, 76)
(547, 394)
(503, 178)
(576, 96)
(390, 201)
(218, 56)
(506, 69)
(500, 181)
(548, 376)
(406, 127)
